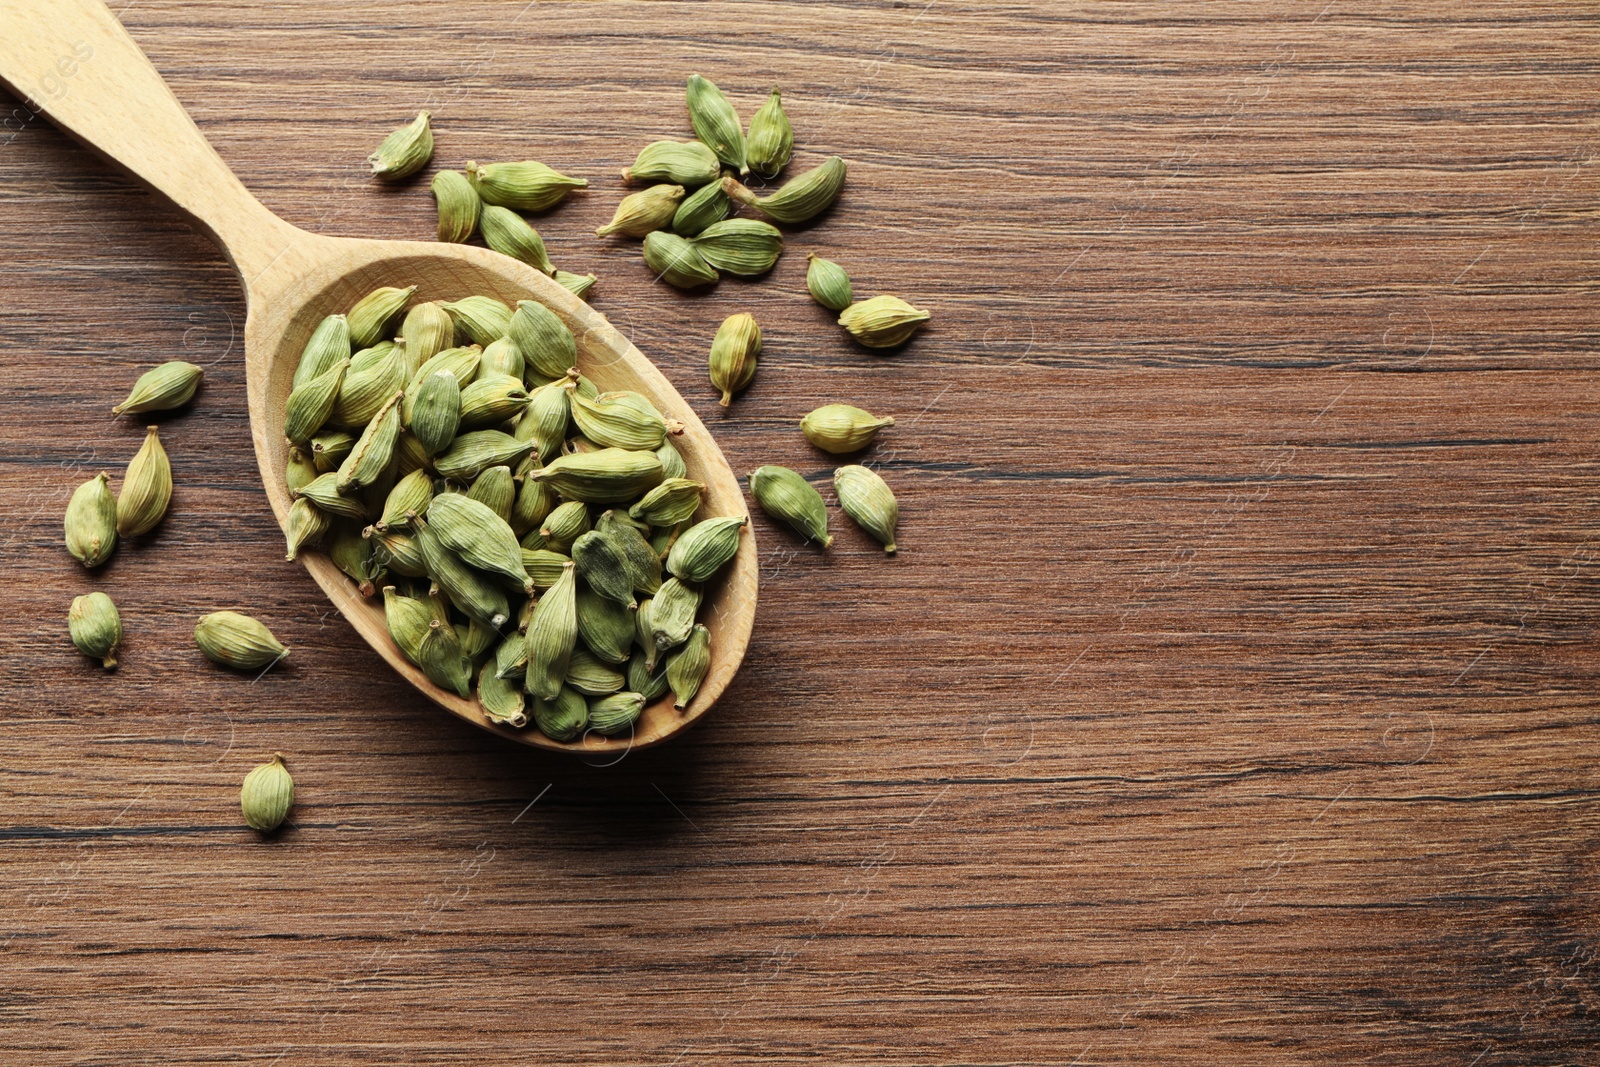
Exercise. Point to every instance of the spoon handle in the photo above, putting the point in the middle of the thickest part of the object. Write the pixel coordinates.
(72, 62)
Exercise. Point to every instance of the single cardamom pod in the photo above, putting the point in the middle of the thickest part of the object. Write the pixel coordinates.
(512, 235)
(545, 421)
(669, 503)
(664, 537)
(649, 209)
(840, 428)
(786, 496)
(534, 501)
(563, 718)
(707, 205)
(578, 284)
(590, 676)
(687, 667)
(364, 391)
(616, 713)
(330, 342)
(473, 453)
(716, 123)
(475, 594)
(543, 339)
(544, 566)
(146, 488)
(352, 554)
(436, 412)
(298, 469)
(443, 661)
(427, 330)
(672, 465)
(511, 659)
(266, 796)
(686, 163)
(491, 400)
(408, 454)
(609, 476)
(310, 405)
(606, 628)
(502, 700)
(306, 524)
(481, 538)
(329, 449)
(705, 548)
(408, 620)
(462, 363)
(504, 358)
(620, 420)
(798, 199)
(770, 142)
(565, 524)
(641, 561)
(91, 522)
(746, 247)
(648, 683)
(372, 318)
(672, 612)
(603, 568)
(459, 206)
(234, 640)
(883, 321)
(525, 186)
(409, 497)
(398, 553)
(481, 319)
(405, 151)
(829, 283)
(552, 635)
(734, 353)
(373, 450)
(677, 262)
(96, 628)
(496, 490)
(162, 388)
(866, 498)
(374, 356)
(644, 634)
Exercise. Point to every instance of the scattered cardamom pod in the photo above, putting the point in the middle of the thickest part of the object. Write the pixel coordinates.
(800, 198)
(427, 330)
(234, 640)
(828, 282)
(609, 476)
(716, 123)
(746, 247)
(552, 635)
(562, 718)
(329, 343)
(372, 319)
(677, 262)
(459, 206)
(616, 713)
(511, 235)
(866, 498)
(96, 628)
(883, 321)
(687, 667)
(786, 496)
(707, 205)
(146, 488)
(91, 522)
(840, 428)
(543, 339)
(482, 319)
(306, 524)
(705, 548)
(405, 151)
(162, 388)
(644, 211)
(266, 796)
(525, 186)
(770, 141)
(310, 404)
(686, 163)
(734, 354)
(669, 503)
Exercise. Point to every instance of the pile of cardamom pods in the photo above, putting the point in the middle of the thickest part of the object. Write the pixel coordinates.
(534, 539)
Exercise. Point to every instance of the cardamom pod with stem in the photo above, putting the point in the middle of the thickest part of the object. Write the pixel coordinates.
(841, 428)
(867, 499)
(372, 318)
(705, 548)
(552, 635)
(544, 566)
(716, 123)
(306, 524)
(479, 537)
(786, 496)
(746, 247)
(398, 553)
(96, 628)
(91, 521)
(734, 354)
(644, 679)
(620, 419)
(525, 186)
(502, 699)
(828, 282)
(373, 450)
(800, 198)
(601, 566)
(616, 713)
(329, 343)
(883, 321)
(408, 620)
(266, 796)
(590, 675)
(564, 717)
(644, 211)
(436, 412)
(686, 163)
(481, 319)
(442, 660)
(543, 339)
(311, 403)
(669, 503)
(231, 639)
(299, 469)
(770, 141)
(459, 206)
(475, 452)
(146, 488)
(687, 667)
(672, 612)
(578, 284)
(706, 205)
(405, 151)
(511, 235)
(352, 554)
(609, 476)
(427, 330)
(496, 490)
(162, 388)
(677, 262)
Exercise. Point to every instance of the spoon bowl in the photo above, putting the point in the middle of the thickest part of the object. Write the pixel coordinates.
(71, 61)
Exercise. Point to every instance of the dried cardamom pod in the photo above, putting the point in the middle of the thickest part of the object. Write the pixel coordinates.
(373, 450)
(565, 524)
(590, 676)
(405, 151)
(511, 658)
(91, 522)
(408, 620)
(786, 496)
(620, 419)
(669, 503)
(578, 284)
(398, 553)
(649, 209)
(609, 476)
(544, 566)
(641, 561)
(162, 388)
(563, 718)
(552, 635)
(672, 465)
(234, 640)
(372, 319)
(408, 454)
(330, 342)
(329, 449)
(463, 363)
(829, 283)
(306, 524)
(352, 554)
(883, 321)
(687, 667)
(677, 262)
(427, 330)
(706, 205)
(601, 565)
(686, 163)
(705, 548)
(716, 123)
(479, 537)
(734, 354)
(606, 628)
(840, 428)
(525, 186)
(409, 497)
(672, 612)
(458, 206)
(146, 488)
(866, 498)
(496, 490)
(365, 391)
(473, 453)
(543, 339)
(648, 683)
(443, 661)
(771, 139)
(502, 700)
(436, 412)
(96, 628)
(481, 319)
(616, 713)
(644, 633)
(746, 247)
(266, 796)
(534, 501)
(475, 594)
(492, 400)
(504, 358)
(299, 469)
(664, 537)
(512, 235)
(798, 199)
(310, 405)
(372, 357)
(545, 421)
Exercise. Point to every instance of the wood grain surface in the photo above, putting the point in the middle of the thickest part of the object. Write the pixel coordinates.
(1231, 700)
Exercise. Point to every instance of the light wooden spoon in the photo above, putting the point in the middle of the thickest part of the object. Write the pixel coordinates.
(71, 61)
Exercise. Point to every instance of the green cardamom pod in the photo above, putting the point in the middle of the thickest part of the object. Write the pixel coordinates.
(705, 548)
(398, 553)
(502, 700)
(883, 321)
(372, 319)
(603, 568)
(473, 453)
(162, 388)
(686, 163)
(642, 679)
(641, 561)
(409, 497)
(330, 342)
(786, 496)
(543, 339)
(146, 488)
(829, 283)
(663, 538)
(533, 503)
(590, 676)
(734, 354)
(458, 206)
(716, 123)
(565, 524)
(512, 235)
(672, 465)
(363, 392)
(511, 659)
(840, 428)
(427, 330)
(798, 199)
(687, 667)
(299, 469)
(96, 628)
(329, 449)
(620, 420)
(616, 713)
(867, 499)
(479, 537)
(408, 620)
(544, 566)
(578, 284)
(771, 139)
(552, 635)
(373, 450)
(408, 454)
(462, 363)
(563, 718)
(672, 612)
(706, 206)
(746, 247)
(91, 522)
(481, 319)
(405, 151)
(306, 524)
(504, 358)
(545, 421)
(606, 628)
(525, 186)
(496, 490)
(266, 796)
(372, 357)
(352, 554)
(436, 412)
(644, 634)
(491, 400)
(609, 476)
(310, 405)
(669, 503)
(474, 593)
(234, 640)
(677, 262)
(443, 661)
(649, 209)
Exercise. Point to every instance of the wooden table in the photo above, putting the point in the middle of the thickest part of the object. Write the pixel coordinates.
(1231, 700)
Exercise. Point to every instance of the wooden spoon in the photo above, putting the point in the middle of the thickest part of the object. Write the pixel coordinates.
(71, 61)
